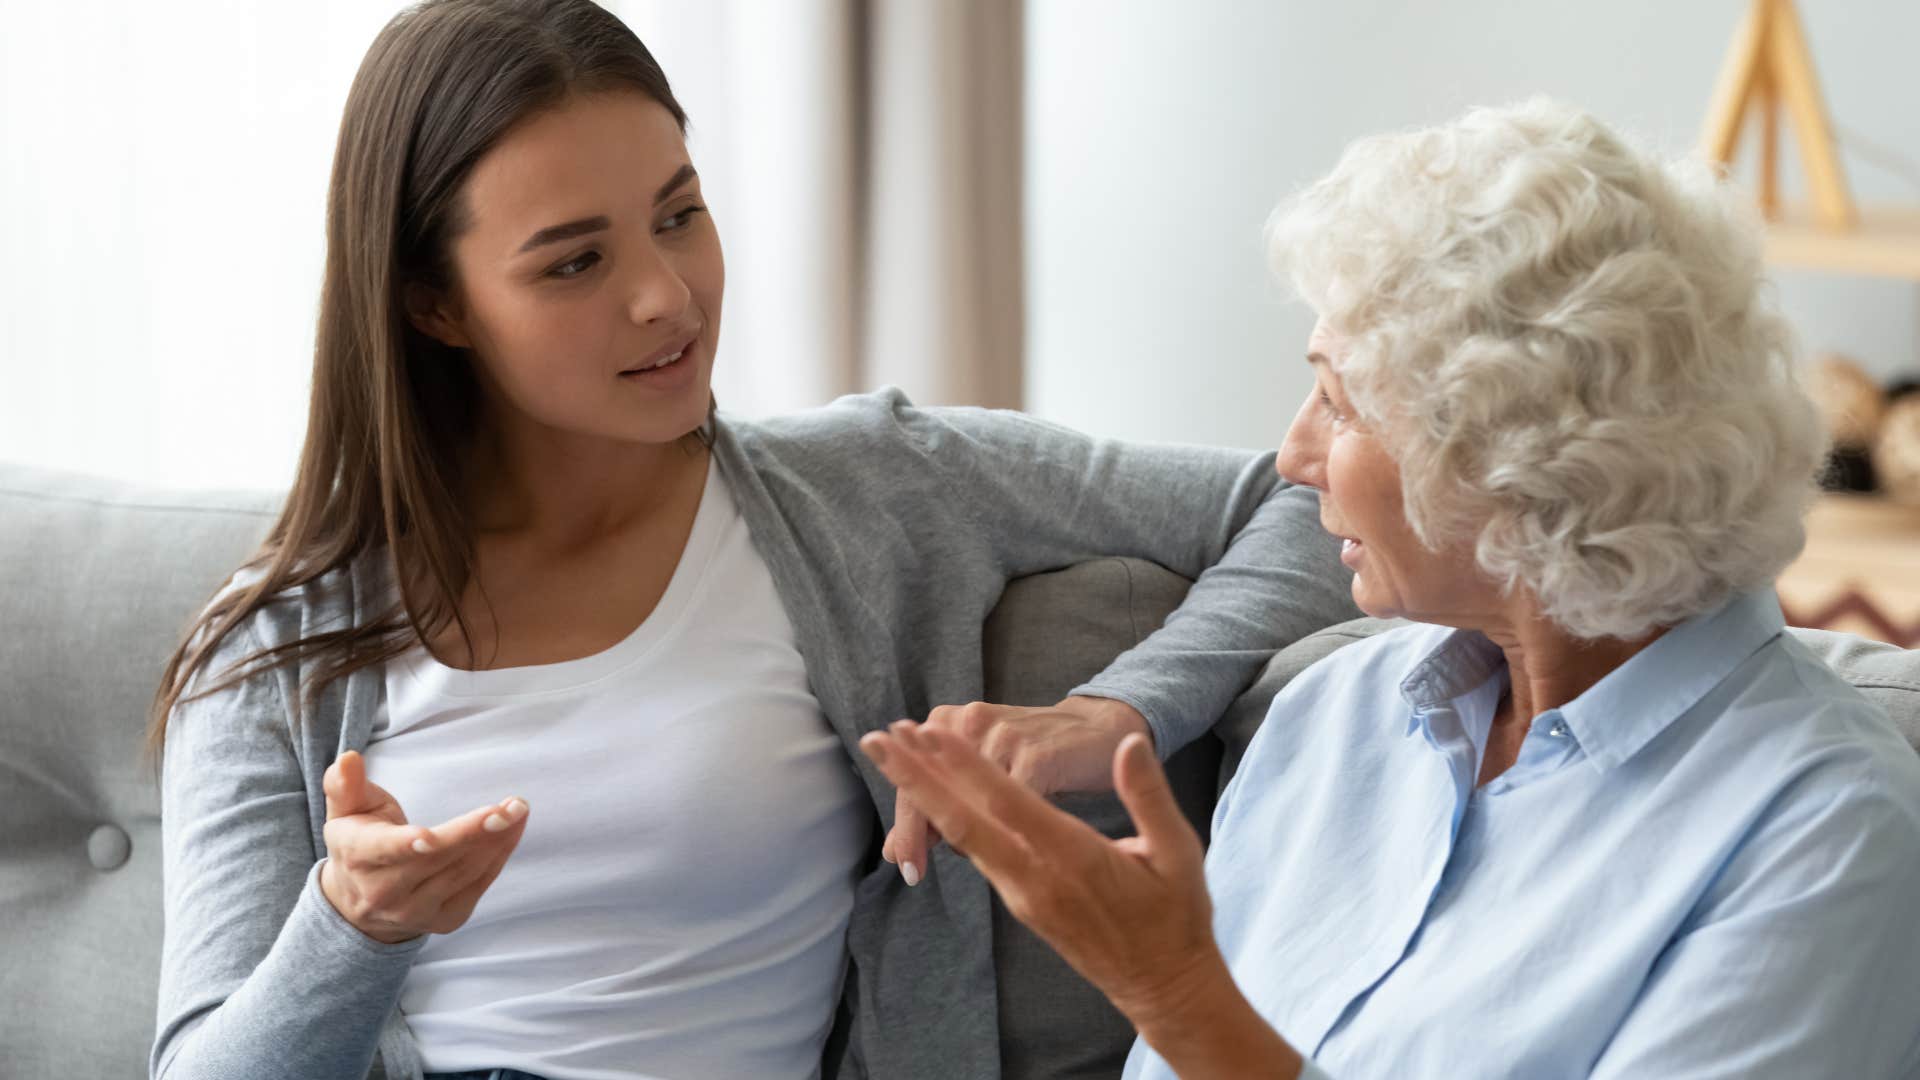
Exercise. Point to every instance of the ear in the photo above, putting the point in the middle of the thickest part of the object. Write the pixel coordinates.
(435, 315)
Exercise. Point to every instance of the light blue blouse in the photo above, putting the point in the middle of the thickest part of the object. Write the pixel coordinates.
(1707, 865)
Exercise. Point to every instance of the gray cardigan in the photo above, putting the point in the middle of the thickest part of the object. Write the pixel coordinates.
(890, 532)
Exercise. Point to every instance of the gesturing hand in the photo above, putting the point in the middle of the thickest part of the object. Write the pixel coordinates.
(394, 881)
(1067, 747)
(1130, 915)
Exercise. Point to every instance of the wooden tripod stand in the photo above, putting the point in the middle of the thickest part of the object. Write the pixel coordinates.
(1767, 66)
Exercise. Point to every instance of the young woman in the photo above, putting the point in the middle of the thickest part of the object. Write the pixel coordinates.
(522, 745)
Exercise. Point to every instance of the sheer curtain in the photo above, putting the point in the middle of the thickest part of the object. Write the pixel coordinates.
(167, 166)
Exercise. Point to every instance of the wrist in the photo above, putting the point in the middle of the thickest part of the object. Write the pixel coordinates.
(1123, 718)
(1202, 1026)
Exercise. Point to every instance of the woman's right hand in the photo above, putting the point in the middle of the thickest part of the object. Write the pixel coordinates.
(394, 881)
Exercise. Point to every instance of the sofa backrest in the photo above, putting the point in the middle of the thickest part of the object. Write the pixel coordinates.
(96, 581)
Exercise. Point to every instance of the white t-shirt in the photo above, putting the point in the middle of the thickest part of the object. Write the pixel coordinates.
(678, 905)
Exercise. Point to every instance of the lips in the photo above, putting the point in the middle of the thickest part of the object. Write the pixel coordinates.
(666, 357)
(1350, 550)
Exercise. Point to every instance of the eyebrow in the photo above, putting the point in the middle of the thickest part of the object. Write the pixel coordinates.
(1316, 358)
(554, 234)
(680, 176)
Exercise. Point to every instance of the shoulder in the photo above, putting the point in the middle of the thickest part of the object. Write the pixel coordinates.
(1815, 774)
(883, 419)
(333, 600)
(240, 671)
(883, 415)
(1787, 707)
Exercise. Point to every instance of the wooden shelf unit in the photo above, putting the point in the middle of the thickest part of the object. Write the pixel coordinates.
(1860, 571)
(1885, 243)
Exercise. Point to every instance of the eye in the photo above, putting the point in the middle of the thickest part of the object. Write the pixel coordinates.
(680, 219)
(575, 266)
(1327, 404)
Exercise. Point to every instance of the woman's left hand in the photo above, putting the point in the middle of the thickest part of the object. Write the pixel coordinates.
(1130, 915)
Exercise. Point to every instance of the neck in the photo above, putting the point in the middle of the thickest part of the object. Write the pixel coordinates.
(1550, 667)
(569, 490)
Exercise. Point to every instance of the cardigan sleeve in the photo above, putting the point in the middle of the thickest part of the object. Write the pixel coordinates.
(259, 975)
(1043, 496)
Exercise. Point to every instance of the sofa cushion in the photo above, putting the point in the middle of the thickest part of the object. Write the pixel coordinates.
(96, 579)
(1048, 634)
(1887, 674)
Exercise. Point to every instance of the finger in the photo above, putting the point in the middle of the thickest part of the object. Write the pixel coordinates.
(369, 842)
(1001, 745)
(906, 757)
(1170, 839)
(460, 904)
(975, 720)
(364, 842)
(475, 825)
(968, 773)
(972, 720)
(472, 863)
(908, 839)
(349, 792)
(345, 784)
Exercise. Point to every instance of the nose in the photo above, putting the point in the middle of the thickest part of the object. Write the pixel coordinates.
(657, 292)
(1303, 453)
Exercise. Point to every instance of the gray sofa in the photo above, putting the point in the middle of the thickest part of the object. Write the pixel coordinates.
(95, 580)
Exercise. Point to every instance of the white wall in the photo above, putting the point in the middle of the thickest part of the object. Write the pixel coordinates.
(165, 169)
(1161, 132)
(165, 166)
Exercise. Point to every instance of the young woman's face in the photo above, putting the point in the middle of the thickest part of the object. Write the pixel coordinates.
(589, 276)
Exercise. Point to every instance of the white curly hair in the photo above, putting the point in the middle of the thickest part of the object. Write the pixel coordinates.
(1571, 349)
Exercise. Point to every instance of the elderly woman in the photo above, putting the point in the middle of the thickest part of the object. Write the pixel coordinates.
(1594, 813)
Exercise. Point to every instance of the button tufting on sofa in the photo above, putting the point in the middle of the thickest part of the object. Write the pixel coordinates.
(108, 847)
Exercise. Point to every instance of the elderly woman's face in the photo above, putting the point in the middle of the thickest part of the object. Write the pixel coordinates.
(1394, 574)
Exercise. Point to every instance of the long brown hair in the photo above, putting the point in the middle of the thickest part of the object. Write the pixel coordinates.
(391, 407)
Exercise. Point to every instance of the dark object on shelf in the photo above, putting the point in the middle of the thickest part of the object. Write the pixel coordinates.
(1849, 469)
(1851, 403)
(1896, 453)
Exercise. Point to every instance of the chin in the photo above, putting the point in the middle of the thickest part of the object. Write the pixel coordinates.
(1374, 606)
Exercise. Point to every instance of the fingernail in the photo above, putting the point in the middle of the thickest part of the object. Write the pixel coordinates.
(511, 810)
(876, 748)
(420, 845)
(910, 873)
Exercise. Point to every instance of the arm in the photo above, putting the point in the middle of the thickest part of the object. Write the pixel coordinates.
(1265, 573)
(1802, 959)
(259, 975)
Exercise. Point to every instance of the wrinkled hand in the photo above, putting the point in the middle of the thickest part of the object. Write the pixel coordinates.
(394, 881)
(1067, 747)
(1131, 915)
